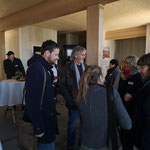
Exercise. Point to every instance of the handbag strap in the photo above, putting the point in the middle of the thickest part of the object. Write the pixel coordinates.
(43, 90)
(112, 124)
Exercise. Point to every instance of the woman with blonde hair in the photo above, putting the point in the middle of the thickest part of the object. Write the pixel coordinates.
(93, 107)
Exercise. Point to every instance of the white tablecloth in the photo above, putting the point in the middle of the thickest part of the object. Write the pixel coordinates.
(11, 92)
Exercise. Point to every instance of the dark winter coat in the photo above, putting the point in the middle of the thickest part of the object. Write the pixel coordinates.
(131, 86)
(68, 85)
(141, 117)
(12, 67)
(113, 77)
(43, 120)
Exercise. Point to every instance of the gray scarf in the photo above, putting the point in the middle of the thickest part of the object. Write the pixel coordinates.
(78, 73)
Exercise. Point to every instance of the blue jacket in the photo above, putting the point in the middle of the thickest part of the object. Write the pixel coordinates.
(43, 120)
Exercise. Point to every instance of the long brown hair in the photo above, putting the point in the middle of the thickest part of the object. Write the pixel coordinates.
(88, 80)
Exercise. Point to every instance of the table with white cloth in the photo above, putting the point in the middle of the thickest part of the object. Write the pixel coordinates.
(11, 93)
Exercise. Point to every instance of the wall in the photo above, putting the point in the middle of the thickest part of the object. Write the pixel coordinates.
(80, 37)
(22, 40)
(61, 39)
(72, 39)
(128, 47)
(77, 38)
(30, 36)
(111, 44)
(12, 42)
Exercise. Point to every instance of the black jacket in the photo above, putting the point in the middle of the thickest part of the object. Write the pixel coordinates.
(43, 120)
(131, 86)
(12, 67)
(141, 117)
(68, 85)
(112, 77)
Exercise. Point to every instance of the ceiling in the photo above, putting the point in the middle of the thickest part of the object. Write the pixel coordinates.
(8, 7)
(117, 15)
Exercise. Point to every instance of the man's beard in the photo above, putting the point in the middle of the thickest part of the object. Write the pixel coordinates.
(52, 62)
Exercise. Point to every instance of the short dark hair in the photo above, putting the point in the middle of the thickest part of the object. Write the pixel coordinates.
(48, 45)
(144, 60)
(10, 53)
(114, 62)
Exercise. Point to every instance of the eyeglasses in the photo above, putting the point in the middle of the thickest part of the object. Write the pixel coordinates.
(127, 62)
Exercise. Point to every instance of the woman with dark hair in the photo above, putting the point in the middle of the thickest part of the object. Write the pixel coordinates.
(92, 104)
(113, 74)
(141, 115)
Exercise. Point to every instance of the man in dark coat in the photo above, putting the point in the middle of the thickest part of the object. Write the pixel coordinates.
(141, 111)
(69, 85)
(13, 65)
(42, 116)
(128, 89)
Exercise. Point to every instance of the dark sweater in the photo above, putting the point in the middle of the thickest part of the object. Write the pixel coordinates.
(11, 67)
(131, 86)
(94, 117)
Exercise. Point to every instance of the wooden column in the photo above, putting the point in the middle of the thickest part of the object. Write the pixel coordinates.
(147, 49)
(2, 54)
(95, 18)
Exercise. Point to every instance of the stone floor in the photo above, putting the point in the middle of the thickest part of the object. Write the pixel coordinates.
(8, 128)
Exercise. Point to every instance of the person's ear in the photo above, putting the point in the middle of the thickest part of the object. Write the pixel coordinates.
(47, 53)
(75, 56)
(113, 65)
(100, 79)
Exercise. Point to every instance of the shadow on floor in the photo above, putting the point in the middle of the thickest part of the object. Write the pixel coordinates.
(8, 132)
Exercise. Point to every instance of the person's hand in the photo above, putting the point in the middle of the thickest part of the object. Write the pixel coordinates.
(40, 135)
(55, 79)
(127, 97)
(22, 79)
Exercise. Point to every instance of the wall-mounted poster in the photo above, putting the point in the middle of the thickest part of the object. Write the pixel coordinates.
(106, 52)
